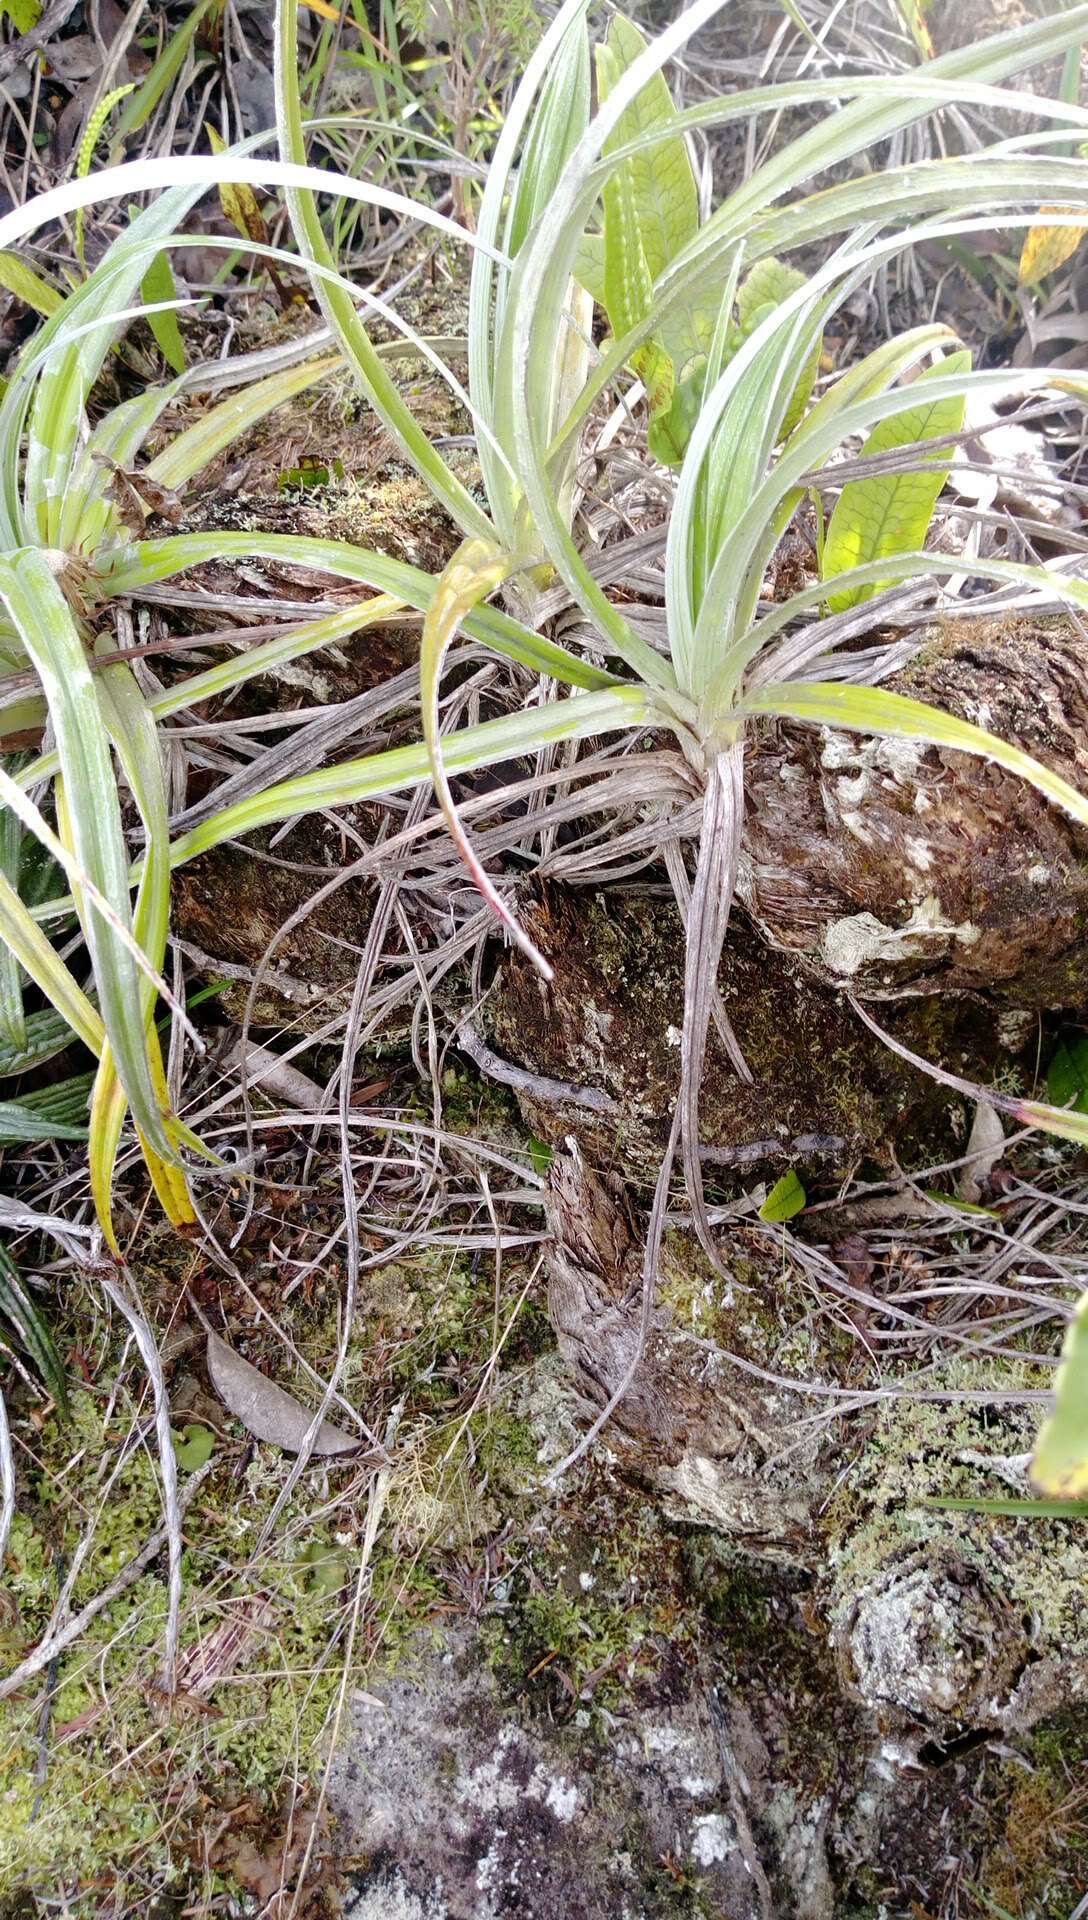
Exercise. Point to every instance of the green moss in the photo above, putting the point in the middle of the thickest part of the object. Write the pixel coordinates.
(1037, 1863)
(596, 1604)
(131, 1779)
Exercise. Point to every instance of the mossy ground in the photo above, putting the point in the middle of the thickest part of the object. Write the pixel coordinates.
(154, 1797)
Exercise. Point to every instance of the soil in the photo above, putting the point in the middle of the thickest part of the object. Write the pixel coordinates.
(738, 1662)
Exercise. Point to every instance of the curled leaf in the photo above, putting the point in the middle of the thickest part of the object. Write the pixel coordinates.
(266, 1410)
(193, 1446)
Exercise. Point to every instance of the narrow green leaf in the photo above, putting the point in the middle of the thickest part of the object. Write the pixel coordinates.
(161, 74)
(12, 1017)
(19, 1308)
(1060, 1462)
(29, 287)
(40, 614)
(889, 513)
(584, 714)
(1028, 1509)
(22, 1122)
(154, 560)
(47, 1033)
(47, 969)
(189, 451)
(876, 710)
(339, 308)
(158, 285)
(786, 1199)
(477, 569)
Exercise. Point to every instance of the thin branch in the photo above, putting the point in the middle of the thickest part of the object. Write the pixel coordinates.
(168, 1467)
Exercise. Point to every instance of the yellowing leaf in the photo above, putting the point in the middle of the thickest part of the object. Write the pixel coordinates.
(238, 202)
(889, 513)
(1048, 248)
(914, 17)
(1060, 1463)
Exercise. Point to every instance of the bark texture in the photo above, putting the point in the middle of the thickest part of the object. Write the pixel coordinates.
(894, 869)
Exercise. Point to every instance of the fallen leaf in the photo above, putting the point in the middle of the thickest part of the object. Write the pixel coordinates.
(985, 1147)
(266, 1410)
(1048, 248)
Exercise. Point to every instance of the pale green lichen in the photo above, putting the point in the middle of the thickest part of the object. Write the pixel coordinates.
(921, 1450)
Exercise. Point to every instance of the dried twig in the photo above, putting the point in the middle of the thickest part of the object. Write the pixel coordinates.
(535, 1086)
(17, 51)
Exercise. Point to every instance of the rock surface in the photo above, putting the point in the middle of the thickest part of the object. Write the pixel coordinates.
(897, 869)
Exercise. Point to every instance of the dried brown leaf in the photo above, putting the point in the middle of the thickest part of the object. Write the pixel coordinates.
(266, 1410)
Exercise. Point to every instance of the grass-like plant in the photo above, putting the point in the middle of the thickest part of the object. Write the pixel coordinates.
(723, 340)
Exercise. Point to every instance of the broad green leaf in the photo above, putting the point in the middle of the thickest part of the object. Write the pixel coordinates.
(1060, 1462)
(786, 1199)
(158, 285)
(628, 281)
(1067, 1074)
(889, 513)
(663, 190)
(670, 428)
(325, 1567)
(651, 211)
(23, 14)
(589, 265)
